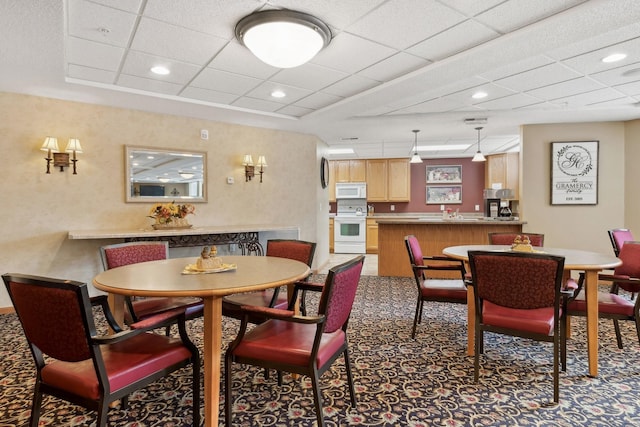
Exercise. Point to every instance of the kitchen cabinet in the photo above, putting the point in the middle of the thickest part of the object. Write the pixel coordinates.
(332, 182)
(388, 180)
(331, 235)
(503, 169)
(350, 170)
(372, 236)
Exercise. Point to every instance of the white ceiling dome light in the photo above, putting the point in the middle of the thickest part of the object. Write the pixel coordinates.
(283, 38)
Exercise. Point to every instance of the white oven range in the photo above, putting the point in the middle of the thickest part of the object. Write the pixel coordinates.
(350, 227)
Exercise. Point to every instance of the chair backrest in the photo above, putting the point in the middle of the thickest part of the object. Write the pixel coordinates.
(414, 250)
(55, 316)
(618, 237)
(298, 250)
(630, 257)
(416, 258)
(521, 280)
(339, 292)
(536, 239)
(120, 254)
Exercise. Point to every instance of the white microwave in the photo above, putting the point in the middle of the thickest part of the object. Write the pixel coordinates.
(351, 190)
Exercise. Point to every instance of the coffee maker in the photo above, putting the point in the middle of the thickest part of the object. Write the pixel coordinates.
(492, 201)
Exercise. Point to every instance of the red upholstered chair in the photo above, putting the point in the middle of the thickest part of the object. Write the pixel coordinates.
(300, 344)
(431, 285)
(284, 248)
(611, 305)
(120, 254)
(536, 239)
(520, 294)
(618, 236)
(75, 364)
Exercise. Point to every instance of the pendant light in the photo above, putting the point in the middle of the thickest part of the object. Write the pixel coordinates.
(416, 157)
(478, 156)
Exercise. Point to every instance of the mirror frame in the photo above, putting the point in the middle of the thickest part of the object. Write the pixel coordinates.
(128, 149)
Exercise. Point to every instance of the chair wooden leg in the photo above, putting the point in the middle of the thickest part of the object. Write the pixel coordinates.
(35, 407)
(347, 365)
(317, 394)
(616, 326)
(556, 365)
(103, 412)
(476, 355)
(416, 318)
(638, 326)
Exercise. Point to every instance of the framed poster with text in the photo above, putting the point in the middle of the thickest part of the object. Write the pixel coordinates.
(574, 173)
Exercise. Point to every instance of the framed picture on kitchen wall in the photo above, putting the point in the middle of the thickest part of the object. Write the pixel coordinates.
(444, 194)
(574, 173)
(444, 174)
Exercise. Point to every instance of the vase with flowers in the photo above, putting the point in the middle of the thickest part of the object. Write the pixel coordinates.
(171, 215)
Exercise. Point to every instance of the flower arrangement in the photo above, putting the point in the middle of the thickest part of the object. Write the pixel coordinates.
(168, 213)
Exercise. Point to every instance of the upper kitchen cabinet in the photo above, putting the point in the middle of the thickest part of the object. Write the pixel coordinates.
(332, 181)
(388, 180)
(349, 171)
(503, 169)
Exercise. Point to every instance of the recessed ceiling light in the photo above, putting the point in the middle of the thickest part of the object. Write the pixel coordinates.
(614, 57)
(160, 70)
(278, 94)
(479, 95)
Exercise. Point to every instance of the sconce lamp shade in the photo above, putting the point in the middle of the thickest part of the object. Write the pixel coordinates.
(50, 144)
(283, 38)
(262, 162)
(73, 145)
(247, 160)
(415, 158)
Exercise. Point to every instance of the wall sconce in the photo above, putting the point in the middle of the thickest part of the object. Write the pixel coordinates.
(249, 168)
(61, 159)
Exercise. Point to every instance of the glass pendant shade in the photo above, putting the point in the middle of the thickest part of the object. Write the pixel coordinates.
(416, 157)
(478, 157)
(283, 38)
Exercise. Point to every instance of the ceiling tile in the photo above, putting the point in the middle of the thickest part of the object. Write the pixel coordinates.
(437, 105)
(592, 62)
(170, 41)
(236, 58)
(126, 5)
(94, 55)
(264, 90)
(514, 14)
(149, 85)
(631, 89)
(87, 18)
(335, 13)
(351, 54)
(584, 99)
(224, 82)
(517, 100)
(309, 76)
(564, 89)
(350, 86)
(516, 67)
(317, 100)
(140, 64)
(419, 19)
(294, 110)
(209, 95)
(538, 77)
(453, 40)
(470, 7)
(621, 75)
(256, 104)
(90, 74)
(393, 66)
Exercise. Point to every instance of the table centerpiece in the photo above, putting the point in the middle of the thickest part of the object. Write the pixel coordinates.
(171, 215)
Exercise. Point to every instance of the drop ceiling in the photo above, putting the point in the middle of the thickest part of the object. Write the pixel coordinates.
(391, 67)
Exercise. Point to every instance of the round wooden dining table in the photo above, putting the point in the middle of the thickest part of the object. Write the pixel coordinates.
(591, 263)
(165, 278)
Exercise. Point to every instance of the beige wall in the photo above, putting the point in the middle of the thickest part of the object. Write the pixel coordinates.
(632, 177)
(40, 209)
(580, 227)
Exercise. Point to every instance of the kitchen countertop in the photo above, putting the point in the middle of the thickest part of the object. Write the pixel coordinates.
(435, 220)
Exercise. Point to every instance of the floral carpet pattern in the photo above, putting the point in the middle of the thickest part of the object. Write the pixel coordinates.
(399, 381)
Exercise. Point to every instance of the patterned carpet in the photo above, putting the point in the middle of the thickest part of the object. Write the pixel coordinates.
(399, 381)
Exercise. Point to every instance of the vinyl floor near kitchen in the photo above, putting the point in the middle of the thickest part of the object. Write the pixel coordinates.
(370, 267)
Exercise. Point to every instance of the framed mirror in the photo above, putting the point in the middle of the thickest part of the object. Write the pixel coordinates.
(160, 175)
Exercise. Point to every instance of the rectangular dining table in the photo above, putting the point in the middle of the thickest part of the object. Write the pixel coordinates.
(591, 263)
(165, 278)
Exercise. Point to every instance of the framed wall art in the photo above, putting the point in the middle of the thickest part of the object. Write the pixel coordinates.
(444, 194)
(574, 173)
(444, 174)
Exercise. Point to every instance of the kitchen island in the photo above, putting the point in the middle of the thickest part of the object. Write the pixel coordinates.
(434, 234)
